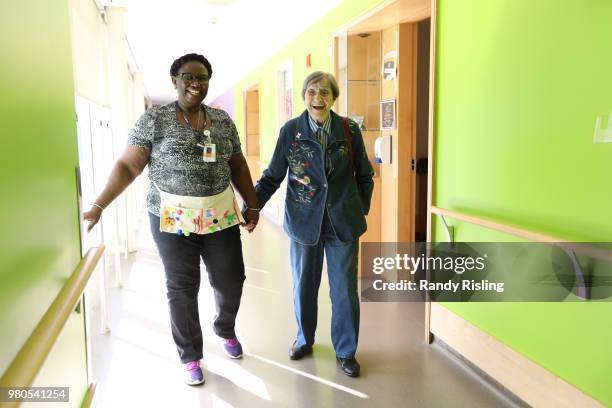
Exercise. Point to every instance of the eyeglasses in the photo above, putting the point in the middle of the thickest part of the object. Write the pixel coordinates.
(323, 92)
(188, 77)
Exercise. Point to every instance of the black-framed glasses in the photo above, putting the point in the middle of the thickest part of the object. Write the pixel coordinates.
(188, 77)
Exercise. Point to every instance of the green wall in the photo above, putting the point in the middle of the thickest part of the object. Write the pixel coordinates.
(39, 247)
(519, 85)
(317, 41)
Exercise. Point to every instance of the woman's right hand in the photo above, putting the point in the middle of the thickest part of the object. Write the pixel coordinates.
(93, 216)
(131, 163)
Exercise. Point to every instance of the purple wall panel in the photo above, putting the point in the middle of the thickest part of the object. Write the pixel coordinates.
(225, 101)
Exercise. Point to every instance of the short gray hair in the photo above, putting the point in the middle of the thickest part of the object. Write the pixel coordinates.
(317, 76)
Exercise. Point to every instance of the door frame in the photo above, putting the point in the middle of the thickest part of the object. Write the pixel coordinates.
(387, 14)
(252, 88)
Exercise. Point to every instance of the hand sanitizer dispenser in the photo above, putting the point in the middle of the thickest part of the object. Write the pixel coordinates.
(383, 149)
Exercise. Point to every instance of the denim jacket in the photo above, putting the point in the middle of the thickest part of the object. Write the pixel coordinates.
(310, 191)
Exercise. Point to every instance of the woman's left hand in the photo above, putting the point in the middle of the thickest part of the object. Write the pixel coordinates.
(252, 218)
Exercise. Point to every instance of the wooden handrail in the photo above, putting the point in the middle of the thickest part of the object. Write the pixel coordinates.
(26, 365)
(89, 396)
(587, 250)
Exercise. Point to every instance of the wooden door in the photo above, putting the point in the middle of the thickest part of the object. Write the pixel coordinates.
(252, 131)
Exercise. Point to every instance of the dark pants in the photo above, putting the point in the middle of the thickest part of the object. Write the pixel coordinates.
(222, 254)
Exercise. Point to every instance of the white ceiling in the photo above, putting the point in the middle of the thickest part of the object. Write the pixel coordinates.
(234, 35)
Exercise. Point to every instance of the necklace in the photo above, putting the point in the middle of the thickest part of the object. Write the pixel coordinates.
(187, 120)
(206, 131)
(193, 130)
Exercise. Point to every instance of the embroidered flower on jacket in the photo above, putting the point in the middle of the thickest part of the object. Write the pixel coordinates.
(298, 169)
(299, 158)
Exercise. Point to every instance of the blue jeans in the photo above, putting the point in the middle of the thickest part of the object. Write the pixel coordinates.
(306, 266)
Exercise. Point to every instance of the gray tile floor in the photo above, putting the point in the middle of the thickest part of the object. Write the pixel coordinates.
(136, 364)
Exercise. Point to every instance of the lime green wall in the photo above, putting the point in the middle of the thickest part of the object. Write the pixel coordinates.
(317, 41)
(519, 85)
(39, 247)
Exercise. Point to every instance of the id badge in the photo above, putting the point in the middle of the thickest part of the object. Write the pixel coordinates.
(210, 153)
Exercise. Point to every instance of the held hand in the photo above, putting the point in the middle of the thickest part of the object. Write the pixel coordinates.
(93, 216)
(252, 218)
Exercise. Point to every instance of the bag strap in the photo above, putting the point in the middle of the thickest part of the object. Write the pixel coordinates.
(349, 143)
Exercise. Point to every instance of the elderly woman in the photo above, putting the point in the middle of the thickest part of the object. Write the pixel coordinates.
(328, 194)
(193, 153)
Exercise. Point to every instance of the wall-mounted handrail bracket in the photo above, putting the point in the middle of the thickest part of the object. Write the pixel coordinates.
(449, 230)
(583, 292)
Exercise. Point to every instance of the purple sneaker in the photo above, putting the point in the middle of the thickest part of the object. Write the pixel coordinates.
(232, 347)
(195, 373)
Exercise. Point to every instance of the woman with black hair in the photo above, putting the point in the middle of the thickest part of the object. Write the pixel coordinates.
(193, 153)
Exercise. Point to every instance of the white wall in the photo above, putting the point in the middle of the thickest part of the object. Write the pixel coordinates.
(109, 86)
(89, 50)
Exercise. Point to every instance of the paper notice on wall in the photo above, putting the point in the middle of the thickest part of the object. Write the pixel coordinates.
(389, 66)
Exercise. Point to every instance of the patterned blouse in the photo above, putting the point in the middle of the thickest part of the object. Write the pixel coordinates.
(176, 163)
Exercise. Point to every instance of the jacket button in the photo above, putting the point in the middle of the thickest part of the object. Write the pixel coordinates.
(325, 185)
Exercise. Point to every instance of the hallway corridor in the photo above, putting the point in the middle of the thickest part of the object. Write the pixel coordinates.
(136, 364)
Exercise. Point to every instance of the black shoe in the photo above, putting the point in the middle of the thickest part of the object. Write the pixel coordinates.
(298, 352)
(349, 366)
